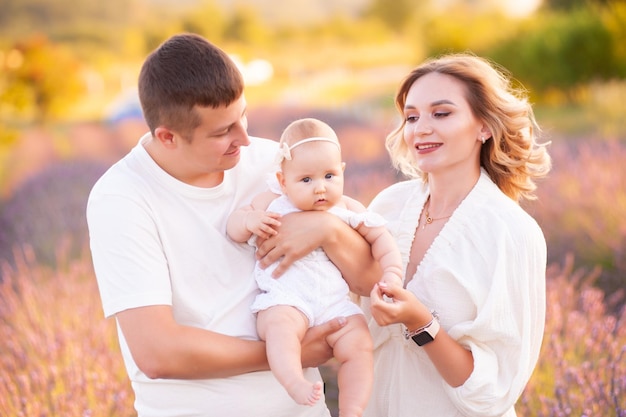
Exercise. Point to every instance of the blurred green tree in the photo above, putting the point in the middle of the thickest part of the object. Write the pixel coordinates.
(569, 5)
(614, 18)
(207, 19)
(85, 21)
(394, 14)
(560, 50)
(447, 30)
(245, 26)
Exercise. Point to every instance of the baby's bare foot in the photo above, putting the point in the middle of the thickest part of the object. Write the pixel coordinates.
(306, 393)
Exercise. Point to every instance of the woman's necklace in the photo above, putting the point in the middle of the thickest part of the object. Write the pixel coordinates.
(429, 219)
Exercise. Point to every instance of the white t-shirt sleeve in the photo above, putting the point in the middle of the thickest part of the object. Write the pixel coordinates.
(132, 268)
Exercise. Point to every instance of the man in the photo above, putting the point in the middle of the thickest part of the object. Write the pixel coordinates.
(179, 289)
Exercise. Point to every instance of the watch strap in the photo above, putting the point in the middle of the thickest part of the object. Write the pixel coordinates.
(428, 334)
(424, 334)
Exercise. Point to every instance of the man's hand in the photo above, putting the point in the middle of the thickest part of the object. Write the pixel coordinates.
(315, 349)
(298, 235)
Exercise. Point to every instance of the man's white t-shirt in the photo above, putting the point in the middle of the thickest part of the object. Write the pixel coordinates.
(158, 241)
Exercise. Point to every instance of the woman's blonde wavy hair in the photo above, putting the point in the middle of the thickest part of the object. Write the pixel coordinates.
(513, 158)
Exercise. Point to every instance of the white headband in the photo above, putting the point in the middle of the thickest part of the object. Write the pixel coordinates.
(284, 151)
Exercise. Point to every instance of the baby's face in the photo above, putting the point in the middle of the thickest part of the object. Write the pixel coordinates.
(313, 178)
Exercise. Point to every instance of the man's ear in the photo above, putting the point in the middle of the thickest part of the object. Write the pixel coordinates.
(165, 136)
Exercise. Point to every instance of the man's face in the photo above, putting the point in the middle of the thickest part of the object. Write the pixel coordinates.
(214, 146)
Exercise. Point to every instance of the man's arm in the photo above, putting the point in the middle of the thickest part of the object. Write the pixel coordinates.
(302, 232)
(163, 348)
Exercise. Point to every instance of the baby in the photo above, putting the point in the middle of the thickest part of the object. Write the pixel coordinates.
(312, 291)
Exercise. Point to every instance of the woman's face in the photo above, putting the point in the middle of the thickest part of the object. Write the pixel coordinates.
(440, 129)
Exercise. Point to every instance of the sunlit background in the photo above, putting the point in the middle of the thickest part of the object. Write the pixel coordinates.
(69, 109)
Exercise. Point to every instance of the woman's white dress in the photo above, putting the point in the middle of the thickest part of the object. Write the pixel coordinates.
(485, 276)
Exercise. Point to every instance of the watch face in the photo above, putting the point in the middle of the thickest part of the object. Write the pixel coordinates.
(422, 338)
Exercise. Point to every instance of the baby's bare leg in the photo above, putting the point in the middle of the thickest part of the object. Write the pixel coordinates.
(352, 348)
(282, 328)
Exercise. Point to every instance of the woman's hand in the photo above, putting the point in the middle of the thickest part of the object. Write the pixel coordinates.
(390, 303)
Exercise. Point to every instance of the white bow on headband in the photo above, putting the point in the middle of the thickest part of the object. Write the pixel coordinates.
(284, 150)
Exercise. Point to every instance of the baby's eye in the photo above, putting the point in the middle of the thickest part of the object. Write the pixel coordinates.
(329, 176)
(306, 179)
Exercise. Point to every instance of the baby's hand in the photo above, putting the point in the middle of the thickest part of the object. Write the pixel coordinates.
(262, 223)
(390, 278)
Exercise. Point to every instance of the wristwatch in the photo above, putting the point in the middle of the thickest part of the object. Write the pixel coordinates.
(425, 334)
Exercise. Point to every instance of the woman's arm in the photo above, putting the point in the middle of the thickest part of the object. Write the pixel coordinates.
(453, 361)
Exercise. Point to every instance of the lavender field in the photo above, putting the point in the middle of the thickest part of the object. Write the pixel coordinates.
(59, 356)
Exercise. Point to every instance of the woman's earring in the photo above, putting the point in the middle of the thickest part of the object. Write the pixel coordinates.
(482, 138)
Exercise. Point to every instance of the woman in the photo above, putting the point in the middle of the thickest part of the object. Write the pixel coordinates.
(462, 337)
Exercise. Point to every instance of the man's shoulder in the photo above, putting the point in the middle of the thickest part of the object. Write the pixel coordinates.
(118, 179)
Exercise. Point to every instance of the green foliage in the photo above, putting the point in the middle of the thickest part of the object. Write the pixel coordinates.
(66, 19)
(559, 51)
(614, 18)
(395, 15)
(550, 51)
(207, 20)
(448, 31)
(245, 26)
(569, 5)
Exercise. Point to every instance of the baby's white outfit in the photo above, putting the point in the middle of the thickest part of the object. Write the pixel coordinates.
(313, 284)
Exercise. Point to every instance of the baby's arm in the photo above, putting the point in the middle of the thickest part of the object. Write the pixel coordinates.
(253, 219)
(384, 248)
